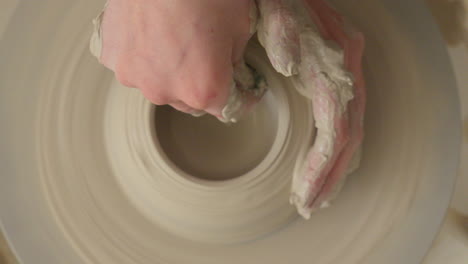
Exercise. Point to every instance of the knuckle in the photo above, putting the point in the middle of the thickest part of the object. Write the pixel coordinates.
(154, 95)
(156, 98)
(198, 103)
(122, 75)
(123, 79)
(182, 107)
(204, 98)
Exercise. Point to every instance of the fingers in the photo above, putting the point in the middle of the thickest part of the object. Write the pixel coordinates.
(210, 95)
(349, 158)
(182, 107)
(107, 51)
(338, 107)
(230, 101)
(247, 89)
(244, 76)
(293, 38)
(246, 27)
(244, 90)
(95, 43)
(331, 137)
(190, 68)
(278, 32)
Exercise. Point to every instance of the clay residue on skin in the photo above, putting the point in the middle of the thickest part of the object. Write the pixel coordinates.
(324, 63)
(89, 176)
(247, 89)
(95, 43)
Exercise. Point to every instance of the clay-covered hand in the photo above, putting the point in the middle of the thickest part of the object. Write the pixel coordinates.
(178, 52)
(311, 42)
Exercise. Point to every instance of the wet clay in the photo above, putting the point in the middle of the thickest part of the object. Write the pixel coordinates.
(85, 178)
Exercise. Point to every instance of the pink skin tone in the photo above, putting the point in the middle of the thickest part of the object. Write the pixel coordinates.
(352, 42)
(177, 52)
(339, 133)
(185, 53)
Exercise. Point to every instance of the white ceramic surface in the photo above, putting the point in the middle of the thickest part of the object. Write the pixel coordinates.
(62, 201)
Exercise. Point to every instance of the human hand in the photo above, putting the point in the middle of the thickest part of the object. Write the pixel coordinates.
(309, 41)
(183, 53)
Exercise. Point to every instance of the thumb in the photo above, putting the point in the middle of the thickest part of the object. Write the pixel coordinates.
(278, 32)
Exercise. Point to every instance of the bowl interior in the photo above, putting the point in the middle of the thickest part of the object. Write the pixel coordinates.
(72, 187)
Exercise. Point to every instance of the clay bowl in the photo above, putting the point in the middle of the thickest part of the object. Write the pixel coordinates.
(93, 173)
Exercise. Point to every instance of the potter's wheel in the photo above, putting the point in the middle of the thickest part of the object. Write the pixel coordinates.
(92, 173)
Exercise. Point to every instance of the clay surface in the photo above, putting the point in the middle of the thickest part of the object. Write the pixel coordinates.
(83, 181)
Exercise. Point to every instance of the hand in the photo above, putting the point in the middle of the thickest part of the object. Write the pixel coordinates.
(297, 36)
(177, 52)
